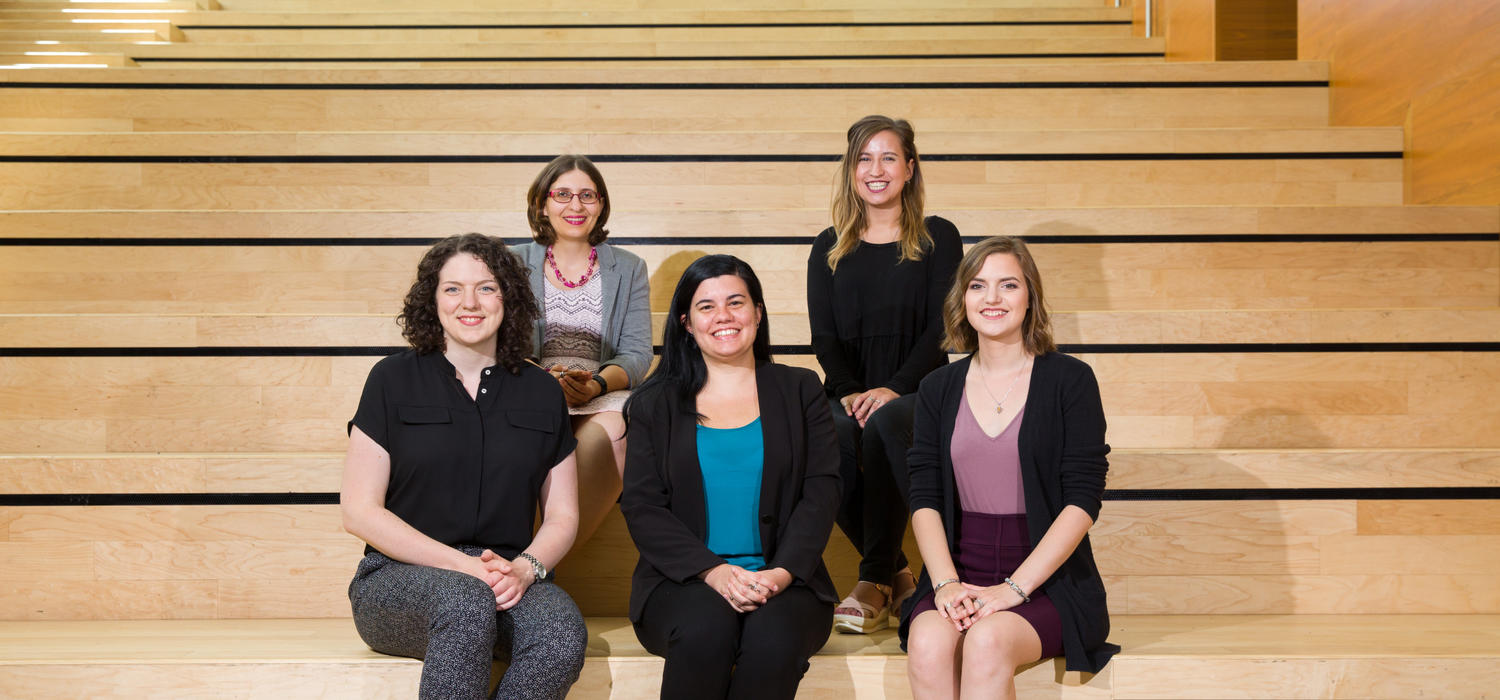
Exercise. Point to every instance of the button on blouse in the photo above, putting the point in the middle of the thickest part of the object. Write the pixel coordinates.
(465, 471)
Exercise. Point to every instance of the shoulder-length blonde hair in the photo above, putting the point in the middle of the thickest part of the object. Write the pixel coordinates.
(1036, 327)
(849, 209)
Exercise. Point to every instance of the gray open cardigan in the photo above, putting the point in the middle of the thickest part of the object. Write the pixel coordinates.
(1062, 463)
(626, 336)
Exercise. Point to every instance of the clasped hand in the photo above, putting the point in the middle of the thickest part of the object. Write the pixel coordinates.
(746, 590)
(860, 406)
(578, 385)
(964, 604)
(506, 578)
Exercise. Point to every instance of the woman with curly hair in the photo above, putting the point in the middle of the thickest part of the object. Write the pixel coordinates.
(593, 332)
(455, 444)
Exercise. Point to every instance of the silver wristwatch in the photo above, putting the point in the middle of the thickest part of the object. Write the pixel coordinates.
(538, 571)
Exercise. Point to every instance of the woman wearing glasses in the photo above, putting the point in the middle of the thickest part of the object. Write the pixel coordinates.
(594, 329)
(875, 286)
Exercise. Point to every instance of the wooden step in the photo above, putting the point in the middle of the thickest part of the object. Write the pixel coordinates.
(75, 472)
(1208, 399)
(1308, 656)
(1320, 181)
(1160, 554)
(314, 278)
(826, 145)
(248, 330)
(748, 218)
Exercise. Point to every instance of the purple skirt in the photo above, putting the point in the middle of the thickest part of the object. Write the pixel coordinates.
(990, 547)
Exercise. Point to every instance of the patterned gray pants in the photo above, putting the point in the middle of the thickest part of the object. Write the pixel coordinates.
(448, 619)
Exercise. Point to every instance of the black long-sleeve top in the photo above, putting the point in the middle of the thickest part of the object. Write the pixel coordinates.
(877, 321)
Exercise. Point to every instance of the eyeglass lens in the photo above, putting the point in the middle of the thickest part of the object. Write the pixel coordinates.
(565, 196)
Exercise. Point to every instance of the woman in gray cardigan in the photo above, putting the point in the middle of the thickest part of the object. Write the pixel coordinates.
(594, 329)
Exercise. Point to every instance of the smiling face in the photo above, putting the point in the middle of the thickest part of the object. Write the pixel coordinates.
(882, 171)
(723, 319)
(996, 300)
(469, 306)
(574, 220)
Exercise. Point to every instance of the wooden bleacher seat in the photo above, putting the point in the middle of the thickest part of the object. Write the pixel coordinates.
(1297, 368)
(1181, 656)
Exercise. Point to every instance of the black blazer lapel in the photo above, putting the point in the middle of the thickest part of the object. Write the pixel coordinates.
(776, 435)
(685, 475)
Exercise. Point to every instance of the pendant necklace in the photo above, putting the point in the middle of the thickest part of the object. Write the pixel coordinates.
(1000, 403)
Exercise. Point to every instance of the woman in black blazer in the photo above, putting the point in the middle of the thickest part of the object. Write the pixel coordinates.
(1007, 472)
(729, 501)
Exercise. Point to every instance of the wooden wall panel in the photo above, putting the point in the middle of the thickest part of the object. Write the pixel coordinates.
(1256, 30)
(1190, 29)
(1428, 64)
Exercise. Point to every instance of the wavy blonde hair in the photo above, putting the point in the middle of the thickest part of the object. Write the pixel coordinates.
(849, 209)
(1036, 328)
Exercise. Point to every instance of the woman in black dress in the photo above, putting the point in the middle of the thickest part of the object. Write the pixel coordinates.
(875, 286)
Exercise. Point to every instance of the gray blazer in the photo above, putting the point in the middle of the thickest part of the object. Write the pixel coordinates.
(626, 338)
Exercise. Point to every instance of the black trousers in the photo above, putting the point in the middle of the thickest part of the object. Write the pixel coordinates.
(872, 462)
(714, 652)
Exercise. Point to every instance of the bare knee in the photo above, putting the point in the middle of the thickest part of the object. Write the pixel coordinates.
(932, 650)
(1002, 645)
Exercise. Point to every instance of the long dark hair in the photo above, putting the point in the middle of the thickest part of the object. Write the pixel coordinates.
(419, 319)
(681, 372)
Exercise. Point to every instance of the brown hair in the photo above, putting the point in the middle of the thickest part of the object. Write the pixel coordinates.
(419, 320)
(536, 198)
(1036, 328)
(849, 210)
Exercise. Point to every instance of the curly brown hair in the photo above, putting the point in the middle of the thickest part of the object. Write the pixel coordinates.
(536, 198)
(419, 320)
(1036, 327)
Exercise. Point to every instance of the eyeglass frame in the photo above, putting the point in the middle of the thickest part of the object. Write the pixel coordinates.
(553, 195)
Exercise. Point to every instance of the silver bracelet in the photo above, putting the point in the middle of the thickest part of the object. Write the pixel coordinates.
(538, 571)
(944, 582)
(1024, 598)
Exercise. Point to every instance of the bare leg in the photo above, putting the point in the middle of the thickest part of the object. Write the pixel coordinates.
(995, 647)
(601, 462)
(934, 656)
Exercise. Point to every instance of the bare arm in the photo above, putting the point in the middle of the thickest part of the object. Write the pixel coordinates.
(367, 473)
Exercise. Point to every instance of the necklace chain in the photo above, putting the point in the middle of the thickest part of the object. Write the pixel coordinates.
(1000, 403)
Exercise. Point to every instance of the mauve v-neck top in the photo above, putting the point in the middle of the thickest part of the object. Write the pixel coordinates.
(987, 469)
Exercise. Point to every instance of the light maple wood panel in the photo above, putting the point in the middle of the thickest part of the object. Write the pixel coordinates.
(1429, 518)
(747, 218)
(362, 14)
(673, 74)
(1310, 594)
(826, 143)
(1129, 469)
(1189, 26)
(675, 110)
(279, 561)
(380, 329)
(1271, 289)
(1223, 400)
(1351, 468)
(1327, 181)
(326, 658)
(1443, 98)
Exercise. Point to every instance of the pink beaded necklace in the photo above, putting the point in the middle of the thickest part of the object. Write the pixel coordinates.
(593, 258)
